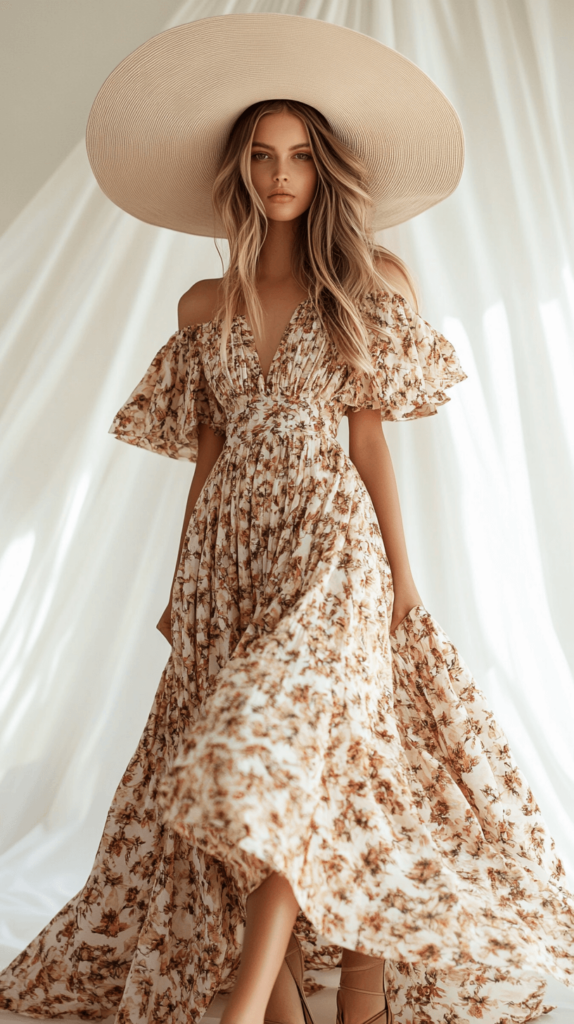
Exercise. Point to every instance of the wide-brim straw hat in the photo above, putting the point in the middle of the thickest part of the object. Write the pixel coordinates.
(158, 126)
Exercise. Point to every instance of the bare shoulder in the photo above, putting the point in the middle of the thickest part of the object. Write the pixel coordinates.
(397, 279)
(199, 304)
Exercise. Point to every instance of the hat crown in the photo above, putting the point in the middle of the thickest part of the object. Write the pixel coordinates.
(159, 124)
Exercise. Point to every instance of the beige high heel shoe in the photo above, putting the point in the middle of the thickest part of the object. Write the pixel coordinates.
(384, 1016)
(277, 1011)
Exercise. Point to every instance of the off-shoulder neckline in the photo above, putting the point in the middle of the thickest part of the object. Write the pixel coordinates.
(241, 316)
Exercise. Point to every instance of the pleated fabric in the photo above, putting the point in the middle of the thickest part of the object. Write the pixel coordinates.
(292, 732)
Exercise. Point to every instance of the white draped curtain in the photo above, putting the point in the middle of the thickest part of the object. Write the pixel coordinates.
(90, 528)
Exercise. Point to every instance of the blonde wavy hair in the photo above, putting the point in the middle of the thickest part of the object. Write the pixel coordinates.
(335, 258)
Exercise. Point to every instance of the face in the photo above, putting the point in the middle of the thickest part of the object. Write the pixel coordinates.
(283, 171)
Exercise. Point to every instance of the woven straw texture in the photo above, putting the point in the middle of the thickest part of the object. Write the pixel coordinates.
(159, 124)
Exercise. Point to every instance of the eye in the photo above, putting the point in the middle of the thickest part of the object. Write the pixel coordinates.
(303, 156)
(260, 156)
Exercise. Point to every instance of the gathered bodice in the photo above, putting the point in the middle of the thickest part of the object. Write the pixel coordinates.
(308, 389)
(280, 416)
(299, 395)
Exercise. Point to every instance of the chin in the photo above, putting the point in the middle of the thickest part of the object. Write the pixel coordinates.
(286, 215)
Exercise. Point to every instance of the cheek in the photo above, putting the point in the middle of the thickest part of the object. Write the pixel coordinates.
(258, 175)
(309, 180)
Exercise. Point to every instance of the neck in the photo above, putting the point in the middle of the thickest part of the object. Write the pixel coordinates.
(276, 256)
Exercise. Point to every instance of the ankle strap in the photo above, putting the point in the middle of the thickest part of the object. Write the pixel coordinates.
(366, 967)
(365, 991)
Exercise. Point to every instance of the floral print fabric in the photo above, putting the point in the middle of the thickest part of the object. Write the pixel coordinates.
(292, 732)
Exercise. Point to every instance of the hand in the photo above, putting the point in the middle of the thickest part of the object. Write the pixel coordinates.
(404, 602)
(164, 624)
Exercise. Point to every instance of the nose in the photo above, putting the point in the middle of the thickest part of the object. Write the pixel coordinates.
(281, 169)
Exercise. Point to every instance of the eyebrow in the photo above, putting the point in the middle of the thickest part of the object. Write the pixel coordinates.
(300, 145)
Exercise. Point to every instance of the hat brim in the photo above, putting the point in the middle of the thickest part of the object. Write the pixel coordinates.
(159, 124)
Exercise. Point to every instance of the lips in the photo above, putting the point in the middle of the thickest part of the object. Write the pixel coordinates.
(281, 193)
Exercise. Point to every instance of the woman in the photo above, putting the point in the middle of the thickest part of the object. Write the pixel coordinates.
(319, 772)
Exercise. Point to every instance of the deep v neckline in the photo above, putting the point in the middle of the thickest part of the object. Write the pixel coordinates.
(265, 379)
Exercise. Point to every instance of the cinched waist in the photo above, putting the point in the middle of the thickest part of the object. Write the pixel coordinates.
(276, 416)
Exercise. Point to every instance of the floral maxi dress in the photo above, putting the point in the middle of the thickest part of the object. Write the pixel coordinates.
(292, 733)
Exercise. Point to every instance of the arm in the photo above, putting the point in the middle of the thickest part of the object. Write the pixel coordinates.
(209, 448)
(370, 454)
(196, 306)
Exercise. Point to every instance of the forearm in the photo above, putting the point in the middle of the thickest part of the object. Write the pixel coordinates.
(369, 452)
(210, 446)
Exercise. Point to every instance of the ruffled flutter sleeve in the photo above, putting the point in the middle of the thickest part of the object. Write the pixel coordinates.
(164, 411)
(413, 364)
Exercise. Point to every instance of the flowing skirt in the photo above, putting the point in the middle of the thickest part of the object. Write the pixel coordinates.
(292, 732)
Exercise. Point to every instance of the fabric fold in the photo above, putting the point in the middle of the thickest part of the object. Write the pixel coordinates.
(413, 365)
(293, 732)
(164, 411)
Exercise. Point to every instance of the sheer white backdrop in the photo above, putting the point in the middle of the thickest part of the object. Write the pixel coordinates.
(90, 527)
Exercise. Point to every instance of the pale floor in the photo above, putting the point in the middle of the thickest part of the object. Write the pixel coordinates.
(322, 1006)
